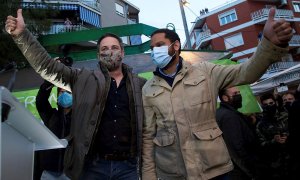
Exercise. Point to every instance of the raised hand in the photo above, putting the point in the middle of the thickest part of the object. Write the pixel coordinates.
(15, 26)
(279, 32)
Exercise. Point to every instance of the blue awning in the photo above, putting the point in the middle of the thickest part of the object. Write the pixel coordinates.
(89, 16)
(86, 15)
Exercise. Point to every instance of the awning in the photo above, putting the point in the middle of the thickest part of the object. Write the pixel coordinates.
(89, 16)
(288, 77)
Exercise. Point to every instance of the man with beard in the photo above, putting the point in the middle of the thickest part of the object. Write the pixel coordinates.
(106, 124)
(181, 138)
(238, 135)
(272, 132)
(287, 99)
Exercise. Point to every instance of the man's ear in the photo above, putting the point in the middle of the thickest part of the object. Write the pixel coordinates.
(224, 98)
(177, 45)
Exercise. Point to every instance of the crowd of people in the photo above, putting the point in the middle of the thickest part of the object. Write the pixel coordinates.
(120, 126)
(266, 147)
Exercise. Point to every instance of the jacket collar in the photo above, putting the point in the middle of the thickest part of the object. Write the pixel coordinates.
(158, 81)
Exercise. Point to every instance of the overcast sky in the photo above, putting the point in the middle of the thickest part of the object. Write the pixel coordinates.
(159, 13)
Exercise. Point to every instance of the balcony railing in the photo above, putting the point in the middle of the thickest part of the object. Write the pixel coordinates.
(202, 36)
(95, 5)
(280, 66)
(295, 41)
(263, 14)
(61, 28)
(91, 4)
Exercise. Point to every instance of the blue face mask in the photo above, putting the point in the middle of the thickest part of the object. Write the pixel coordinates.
(160, 56)
(65, 100)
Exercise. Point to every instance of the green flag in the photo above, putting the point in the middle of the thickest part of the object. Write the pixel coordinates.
(249, 104)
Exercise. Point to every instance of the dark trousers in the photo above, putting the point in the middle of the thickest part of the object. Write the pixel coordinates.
(100, 169)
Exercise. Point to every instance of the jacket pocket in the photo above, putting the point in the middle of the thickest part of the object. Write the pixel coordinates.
(196, 90)
(154, 92)
(165, 154)
(69, 154)
(211, 148)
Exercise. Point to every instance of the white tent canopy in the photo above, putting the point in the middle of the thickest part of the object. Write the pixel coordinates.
(289, 76)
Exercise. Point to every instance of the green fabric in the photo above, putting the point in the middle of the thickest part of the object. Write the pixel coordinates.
(249, 104)
(146, 75)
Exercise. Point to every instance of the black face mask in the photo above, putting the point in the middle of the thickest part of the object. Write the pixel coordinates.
(287, 105)
(236, 101)
(270, 109)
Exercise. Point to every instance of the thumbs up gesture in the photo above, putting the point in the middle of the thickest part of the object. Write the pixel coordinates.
(15, 26)
(279, 32)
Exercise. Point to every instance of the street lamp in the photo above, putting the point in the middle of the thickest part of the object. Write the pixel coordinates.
(187, 36)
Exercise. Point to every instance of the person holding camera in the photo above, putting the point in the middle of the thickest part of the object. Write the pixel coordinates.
(272, 132)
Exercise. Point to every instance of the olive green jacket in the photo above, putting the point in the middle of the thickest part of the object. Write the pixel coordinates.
(89, 91)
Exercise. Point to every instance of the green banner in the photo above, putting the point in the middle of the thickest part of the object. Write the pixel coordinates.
(27, 98)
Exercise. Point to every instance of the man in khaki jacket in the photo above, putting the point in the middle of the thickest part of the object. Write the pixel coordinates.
(181, 139)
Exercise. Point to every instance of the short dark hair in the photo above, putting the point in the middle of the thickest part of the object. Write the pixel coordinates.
(110, 35)
(221, 93)
(267, 96)
(169, 34)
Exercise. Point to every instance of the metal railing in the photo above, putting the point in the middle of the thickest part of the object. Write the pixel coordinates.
(92, 4)
(61, 28)
(295, 41)
(202, 36)
(280, 66)
(264, 13)
(95, 5)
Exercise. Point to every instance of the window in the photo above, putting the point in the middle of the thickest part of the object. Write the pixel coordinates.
(124, 40)
(296, 5)
(227, 17)
(233, 41)
(120, 9)
(242, 60)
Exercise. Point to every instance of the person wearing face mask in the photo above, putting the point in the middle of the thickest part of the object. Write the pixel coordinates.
(287, 99)
(105, 137)
(50, 162)
(238, 135)
(181, 138)
(273, 135)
